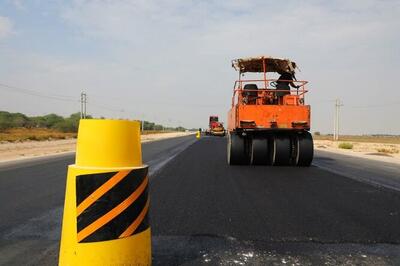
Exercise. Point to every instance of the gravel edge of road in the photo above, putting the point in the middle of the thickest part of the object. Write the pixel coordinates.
(363, 156)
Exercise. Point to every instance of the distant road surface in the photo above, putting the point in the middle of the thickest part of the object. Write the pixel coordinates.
(206, 212)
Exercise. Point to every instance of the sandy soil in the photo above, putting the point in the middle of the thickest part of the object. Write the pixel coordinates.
(363, 149)
(13, 151)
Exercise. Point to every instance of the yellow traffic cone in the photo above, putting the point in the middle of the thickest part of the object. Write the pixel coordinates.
(106, 200)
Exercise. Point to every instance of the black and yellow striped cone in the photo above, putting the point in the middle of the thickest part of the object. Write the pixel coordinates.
(106, 201)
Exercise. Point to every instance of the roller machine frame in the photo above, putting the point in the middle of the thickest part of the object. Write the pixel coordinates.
(266, 126)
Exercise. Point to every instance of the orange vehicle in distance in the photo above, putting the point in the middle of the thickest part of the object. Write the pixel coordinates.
(215, 128)
(265, 125)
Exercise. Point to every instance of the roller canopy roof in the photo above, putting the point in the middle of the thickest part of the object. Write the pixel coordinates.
(255, 64)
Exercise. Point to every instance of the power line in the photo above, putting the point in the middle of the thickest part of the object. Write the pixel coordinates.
(38, 94)
(376, 105)
(316, 102)
(73, 99)
(84, 100)
(107, 108)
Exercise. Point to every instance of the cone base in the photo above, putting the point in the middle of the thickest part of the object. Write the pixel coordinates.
(133, 250)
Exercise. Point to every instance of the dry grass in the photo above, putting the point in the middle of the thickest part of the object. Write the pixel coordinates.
(387, 151)
(369, 139)
(39, 134)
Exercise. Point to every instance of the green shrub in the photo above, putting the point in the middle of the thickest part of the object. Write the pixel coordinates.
(158, 127)
(5, 120)
(38, 121)
(13, 120)
(67, 125)
(51, 120)
(346, 145)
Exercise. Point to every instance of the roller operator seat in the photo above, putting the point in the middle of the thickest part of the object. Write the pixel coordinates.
(250, 93)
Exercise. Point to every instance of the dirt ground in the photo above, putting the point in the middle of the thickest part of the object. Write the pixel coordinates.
(362, 138)
(17, 150)
(388, 152)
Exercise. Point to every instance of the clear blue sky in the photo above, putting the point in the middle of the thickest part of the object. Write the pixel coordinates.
(169, 61)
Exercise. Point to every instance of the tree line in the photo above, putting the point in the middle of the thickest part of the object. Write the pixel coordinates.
(153, 126)
(64, 124)
(52, 121)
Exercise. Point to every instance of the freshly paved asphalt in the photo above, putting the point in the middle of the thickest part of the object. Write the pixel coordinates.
(245, 214)
(206, 212)
(32, 197)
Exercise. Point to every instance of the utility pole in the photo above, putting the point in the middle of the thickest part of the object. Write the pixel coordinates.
(334, 123)
(142, 125)
(338, 104)
(83, 105)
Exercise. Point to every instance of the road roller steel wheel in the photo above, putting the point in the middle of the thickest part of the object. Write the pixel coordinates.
(236, 150)
(280, 150)
(259, 151)
(304, 149)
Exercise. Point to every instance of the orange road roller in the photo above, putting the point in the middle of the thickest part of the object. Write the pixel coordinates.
(269, 121)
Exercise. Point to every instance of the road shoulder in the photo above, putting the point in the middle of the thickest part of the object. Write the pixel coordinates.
(374, 172)
(366, 150)
(32, 150)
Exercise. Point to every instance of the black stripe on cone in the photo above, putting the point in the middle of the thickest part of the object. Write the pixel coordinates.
(86, 186)
(119, 224)
(114, 228)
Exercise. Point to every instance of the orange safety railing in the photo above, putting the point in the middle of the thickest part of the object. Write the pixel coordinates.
(267, 91)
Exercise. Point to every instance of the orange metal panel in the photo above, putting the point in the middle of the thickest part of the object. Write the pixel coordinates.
(264, 115)
(291, 100)
(232, 118)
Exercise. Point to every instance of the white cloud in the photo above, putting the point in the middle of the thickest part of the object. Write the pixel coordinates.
(18, 4)
(232, 27)
(179, 52)
(336, 44)
(6, 27)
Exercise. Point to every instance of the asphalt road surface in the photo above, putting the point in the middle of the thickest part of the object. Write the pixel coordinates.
(206, 212)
